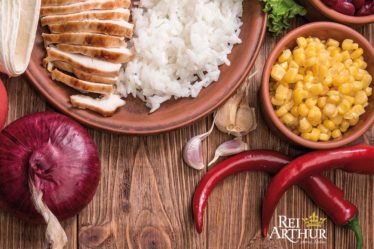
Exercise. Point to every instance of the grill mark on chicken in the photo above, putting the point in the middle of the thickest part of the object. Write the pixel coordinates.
(81, 85)
(82, 6)
(86, 39)
(64, 66)
(114, 28)
(116, 14)
(114, 55)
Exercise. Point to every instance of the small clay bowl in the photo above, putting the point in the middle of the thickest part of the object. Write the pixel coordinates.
(318, 11)
(322, 30)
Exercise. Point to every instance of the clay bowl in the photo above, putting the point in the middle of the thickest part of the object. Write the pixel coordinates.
(318, 11)
(134, 117)
(322, 30)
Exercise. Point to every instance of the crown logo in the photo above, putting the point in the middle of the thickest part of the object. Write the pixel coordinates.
(314, 221)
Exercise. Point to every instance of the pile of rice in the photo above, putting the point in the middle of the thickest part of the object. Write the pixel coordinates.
(179, 46)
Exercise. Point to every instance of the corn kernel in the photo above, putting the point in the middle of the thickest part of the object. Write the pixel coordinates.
(306, 136)
(369, 91)
(357, 86)
(348, 63)
(324, 137)
(321, 102)
(333, 99)
(310, 61)
(353, 121)
(323, 129)
(361, 98)
(329, 124)
(277, 102)
(290, 76)
(315, 134)
(344, 126)
(281, 92)
(336, 134)
(299, 95)
(332, 43)
(361, 63)
(344, 107)
(284, 65)
(337, 120)
(345, 88)
(289, 120)
(304, 125)
(350, 99)
(311, 102)
(301, 42)
(294, 111)
(316, 89)
(303, 110)
(281, 111)
(285, 55)
(278, 72)
(345, 55)
(357, 53)
(315, 116)
(366, 80)
(330, 110)
(347, 44)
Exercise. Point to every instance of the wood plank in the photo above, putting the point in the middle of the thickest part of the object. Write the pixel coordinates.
(145, 193)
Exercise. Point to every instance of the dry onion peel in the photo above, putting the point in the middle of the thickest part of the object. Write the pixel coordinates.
(229, 148)
(18, 24)
(236, 117)
(55, 234)
(193, 151)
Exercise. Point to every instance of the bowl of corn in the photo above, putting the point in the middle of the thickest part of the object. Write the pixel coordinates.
(317, 86)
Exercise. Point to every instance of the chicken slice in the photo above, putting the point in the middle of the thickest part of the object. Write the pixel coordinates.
(83, 63)
(82, 6)
(81, 85)
(116, 14)
(106, 27)
(82, 75)
(105, 106)
(60, 2)
(85, 39)
(114, 55)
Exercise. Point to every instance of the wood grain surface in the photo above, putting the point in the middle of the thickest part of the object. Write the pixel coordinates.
(144, 198)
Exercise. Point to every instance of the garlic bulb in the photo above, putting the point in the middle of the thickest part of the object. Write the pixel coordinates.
(229, 148)
(236, 117)
(193, 151)
(18, 24)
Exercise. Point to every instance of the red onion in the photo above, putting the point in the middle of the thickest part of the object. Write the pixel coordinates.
(49, 156)
(3, 105)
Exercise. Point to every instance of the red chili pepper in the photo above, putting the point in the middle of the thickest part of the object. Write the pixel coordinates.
(321, 190)
(355, 159)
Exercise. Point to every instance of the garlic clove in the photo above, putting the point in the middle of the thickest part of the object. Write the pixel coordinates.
(245, 121)
(193, 151)
(229, 148)
(227, 115)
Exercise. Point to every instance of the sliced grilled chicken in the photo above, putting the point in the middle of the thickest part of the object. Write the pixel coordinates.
(115, 28)
(60, 2)
(82, 6)
(85, 39)
(114, 55)
(83, 63)
(82, 75)
(105, 106)
(116, 14)
(81, 85)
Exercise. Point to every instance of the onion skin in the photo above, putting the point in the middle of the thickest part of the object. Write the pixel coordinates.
(59, 156)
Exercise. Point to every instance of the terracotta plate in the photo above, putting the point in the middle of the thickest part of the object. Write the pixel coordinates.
(134, 117)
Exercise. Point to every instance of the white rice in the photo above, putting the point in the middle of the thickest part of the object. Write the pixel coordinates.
(179, 46)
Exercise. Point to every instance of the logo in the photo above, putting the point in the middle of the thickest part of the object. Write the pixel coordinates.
(310, 231)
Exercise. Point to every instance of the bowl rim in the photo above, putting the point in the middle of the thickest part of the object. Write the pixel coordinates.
(268, 107)
(335, 15)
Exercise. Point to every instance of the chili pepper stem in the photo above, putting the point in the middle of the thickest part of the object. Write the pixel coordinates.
(354, 225)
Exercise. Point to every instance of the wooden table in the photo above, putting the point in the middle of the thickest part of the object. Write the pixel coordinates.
(144, 198)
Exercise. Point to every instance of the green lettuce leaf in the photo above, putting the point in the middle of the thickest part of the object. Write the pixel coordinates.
(279, 14)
